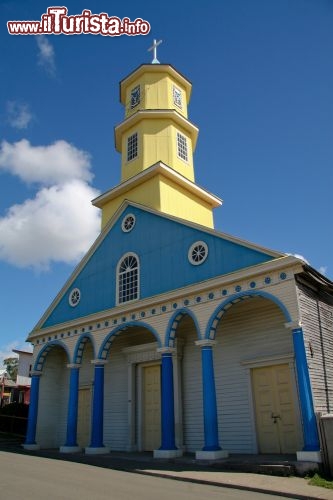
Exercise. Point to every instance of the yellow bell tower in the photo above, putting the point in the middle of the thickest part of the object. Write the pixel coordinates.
(156, 142)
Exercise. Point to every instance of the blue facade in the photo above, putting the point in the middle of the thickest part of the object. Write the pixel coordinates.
(162, 246)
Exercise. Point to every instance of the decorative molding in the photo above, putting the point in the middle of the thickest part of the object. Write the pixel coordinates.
(268, 361)
(205, 343)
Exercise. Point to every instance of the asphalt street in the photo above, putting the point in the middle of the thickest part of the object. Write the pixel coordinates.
(29, 477)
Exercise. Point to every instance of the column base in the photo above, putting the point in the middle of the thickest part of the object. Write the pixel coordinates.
(101, 450)
(211, 455)
(168, 453)
(31, 447)
(309, 456)
(70, 449)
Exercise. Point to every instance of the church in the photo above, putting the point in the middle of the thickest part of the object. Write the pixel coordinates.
(170, 336)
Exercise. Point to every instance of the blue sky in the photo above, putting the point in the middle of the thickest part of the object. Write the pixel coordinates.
(262, 74)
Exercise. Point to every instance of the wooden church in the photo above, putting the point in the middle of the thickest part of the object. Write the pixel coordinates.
(170, 336)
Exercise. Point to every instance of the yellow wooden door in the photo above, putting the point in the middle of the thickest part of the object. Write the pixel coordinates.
(84, 417)
(277, 428)
(152, 408)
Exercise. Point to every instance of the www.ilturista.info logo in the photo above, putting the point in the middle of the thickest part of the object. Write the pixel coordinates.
(57, 22)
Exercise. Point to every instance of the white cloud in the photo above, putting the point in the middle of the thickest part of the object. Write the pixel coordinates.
(323, 270)
(59, 224)
(46, 56)
(298, 256)
(18, 115)
(47, 165)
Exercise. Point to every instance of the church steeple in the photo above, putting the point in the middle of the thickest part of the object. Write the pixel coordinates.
(156, 127)
(156, 141)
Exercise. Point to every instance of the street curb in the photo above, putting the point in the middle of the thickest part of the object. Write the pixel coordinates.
(224, 485)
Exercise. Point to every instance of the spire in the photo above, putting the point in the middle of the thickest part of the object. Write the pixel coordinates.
(154, 48)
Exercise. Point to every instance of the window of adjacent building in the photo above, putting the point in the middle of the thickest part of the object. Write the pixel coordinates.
(132, 146)
(177, 96)
(135, 96)
(182, 149)
(128, 278)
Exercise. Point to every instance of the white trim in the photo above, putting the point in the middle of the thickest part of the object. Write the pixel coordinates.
(268, 361)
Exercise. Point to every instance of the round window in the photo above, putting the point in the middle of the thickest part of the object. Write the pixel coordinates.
(74, 297)
(198, 253)
(128, 223)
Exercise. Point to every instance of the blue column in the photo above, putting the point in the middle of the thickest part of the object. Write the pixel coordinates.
(209, 396)
(310, 432)
(167, 401)
(33, 409)
(98, 407)
(71, 437)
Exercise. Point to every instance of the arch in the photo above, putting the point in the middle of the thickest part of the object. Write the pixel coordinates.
(128, 278)
(174, 322)
(233, 299)
(105, 347)
(79, 347)
(39, 363)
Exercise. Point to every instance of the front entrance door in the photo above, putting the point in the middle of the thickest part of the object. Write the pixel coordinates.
(275, 409)
(83, 420)
(151, 407)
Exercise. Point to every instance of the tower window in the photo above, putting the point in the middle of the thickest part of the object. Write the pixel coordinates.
(182, 147)
(177, 97)
(132, 146)
(128, 278)
(135, 96)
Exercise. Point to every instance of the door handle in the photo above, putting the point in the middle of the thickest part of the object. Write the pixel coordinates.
(275, 417)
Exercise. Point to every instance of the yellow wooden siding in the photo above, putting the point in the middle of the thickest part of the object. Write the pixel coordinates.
(157, 141)
(156, 92)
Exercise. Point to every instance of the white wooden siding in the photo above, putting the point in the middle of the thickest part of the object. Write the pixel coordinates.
(317, 323)
(53, 401)
(250, 330)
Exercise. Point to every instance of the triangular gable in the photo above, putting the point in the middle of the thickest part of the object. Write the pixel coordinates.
(162, 243)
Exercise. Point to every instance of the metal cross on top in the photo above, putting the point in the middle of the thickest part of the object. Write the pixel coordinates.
(154, 48)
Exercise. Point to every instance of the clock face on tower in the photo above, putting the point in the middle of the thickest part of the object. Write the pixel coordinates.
(135, 96)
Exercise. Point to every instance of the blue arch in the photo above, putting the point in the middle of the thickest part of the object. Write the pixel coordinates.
(79, 347)
(174, 322)
(233, 299)
(105, 347)
(39, 363)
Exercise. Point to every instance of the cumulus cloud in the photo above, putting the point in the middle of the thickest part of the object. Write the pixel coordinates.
(323, 270)
(59, 223)
(46, 56)
(18, 115)
(47, 165)
(298, 256)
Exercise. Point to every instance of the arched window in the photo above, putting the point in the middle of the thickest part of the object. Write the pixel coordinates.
(128, 278)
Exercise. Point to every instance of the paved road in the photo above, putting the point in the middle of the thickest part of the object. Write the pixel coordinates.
(36, 478)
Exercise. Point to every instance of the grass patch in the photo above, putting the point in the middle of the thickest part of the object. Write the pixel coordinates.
(321, 480)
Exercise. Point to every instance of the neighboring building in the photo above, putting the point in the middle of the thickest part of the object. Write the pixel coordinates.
(170, 336)
(23, 378)
(6, 387)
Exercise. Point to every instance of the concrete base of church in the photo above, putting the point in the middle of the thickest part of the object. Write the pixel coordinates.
(97, 451)
(309, 456)
(70, 449)
(211, 455)
(168, 453)
(31, 447)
